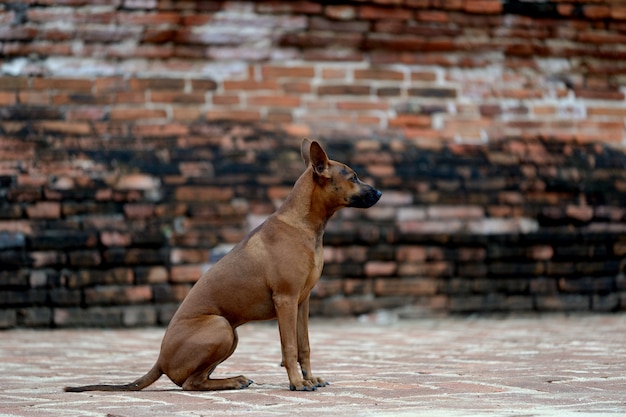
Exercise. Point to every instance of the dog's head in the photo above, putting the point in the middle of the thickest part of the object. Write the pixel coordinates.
(338, 179)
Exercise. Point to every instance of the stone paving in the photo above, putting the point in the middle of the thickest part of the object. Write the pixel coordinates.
(524, 366)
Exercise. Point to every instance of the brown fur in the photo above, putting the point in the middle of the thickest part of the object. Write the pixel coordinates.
(269, 274)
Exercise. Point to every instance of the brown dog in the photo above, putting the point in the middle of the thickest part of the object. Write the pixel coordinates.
(269, 274)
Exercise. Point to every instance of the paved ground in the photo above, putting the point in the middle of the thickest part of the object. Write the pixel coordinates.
(541, 366)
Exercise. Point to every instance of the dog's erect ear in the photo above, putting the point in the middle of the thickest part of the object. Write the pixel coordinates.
(305, 151)
(319, 160)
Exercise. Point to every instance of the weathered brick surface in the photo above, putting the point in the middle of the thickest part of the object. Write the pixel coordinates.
(433, 243)
(377, 366)
(483, 52)
(138, 137)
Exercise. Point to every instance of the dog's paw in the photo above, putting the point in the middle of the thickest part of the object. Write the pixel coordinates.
(242, 381)
(318, 382)
(303, 385)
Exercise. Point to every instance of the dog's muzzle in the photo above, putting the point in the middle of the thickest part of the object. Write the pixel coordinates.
(366, 198)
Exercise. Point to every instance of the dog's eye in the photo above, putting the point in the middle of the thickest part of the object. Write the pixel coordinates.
(354, 178)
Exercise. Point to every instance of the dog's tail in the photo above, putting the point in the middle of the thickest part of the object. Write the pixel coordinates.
(146, 380)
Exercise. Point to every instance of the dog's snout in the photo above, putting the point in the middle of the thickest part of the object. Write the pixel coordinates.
(366, 198)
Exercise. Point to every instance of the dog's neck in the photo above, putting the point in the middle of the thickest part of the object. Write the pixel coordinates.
(301, 207)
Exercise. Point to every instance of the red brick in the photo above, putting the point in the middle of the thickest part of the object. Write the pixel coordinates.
(9, 98)
(156, 84)
(596, 11)
(433, 92)
(347, 89)
(118, 294)
(389, 2)
(405, 286)
(341, 12)
(47, 258)
(403, 43)
(158, 36)
(334, 73)
(410, 254)
(37, 47)
(619, 248)
(13, 83)
(70, 84)
(239, 115)
(186, 113)
(378, 74)
(160, 130)
(471, 254)
(619, 112)
(618, 12)
(295, 7)
(148, 18)
(196, 19)
(410, 120)
(565, 9)
(345, 254)
(44, 210)
(203, 85)
(322, 39)
(130, 97)
(455, 212)
(86, 113)
(380, 268)
(250, 85)
(377, 13)
(138, 211)
(203, 193)
(274, 101)
(429, 269)
(601, 38)
(358, 286)
(389, 92)
(582, 213)
(362, 105)
(185, 273)
(279, 116)
(136, 182)
(333, 55)
(85, 258)
(119, 113)
(297, 87)
(483, 6)
(390, 26)
(65, 98)
(189, 256)
(435, 16)
(225, 99)
(278, 193)
(541, 252)
(66, 127)
(272, 72)
(32, 180)
(381, 170)
(19, 33)
(326, 288)
(176, 97)
(7, 17)
(151, 275)
(115, 238)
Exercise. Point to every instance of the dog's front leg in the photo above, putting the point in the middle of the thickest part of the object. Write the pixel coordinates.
(287, 312)
(304, 350)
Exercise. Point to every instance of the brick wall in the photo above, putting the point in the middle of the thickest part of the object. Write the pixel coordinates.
(139, 139)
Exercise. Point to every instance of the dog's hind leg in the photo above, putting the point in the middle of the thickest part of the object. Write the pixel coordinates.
(195, 348)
